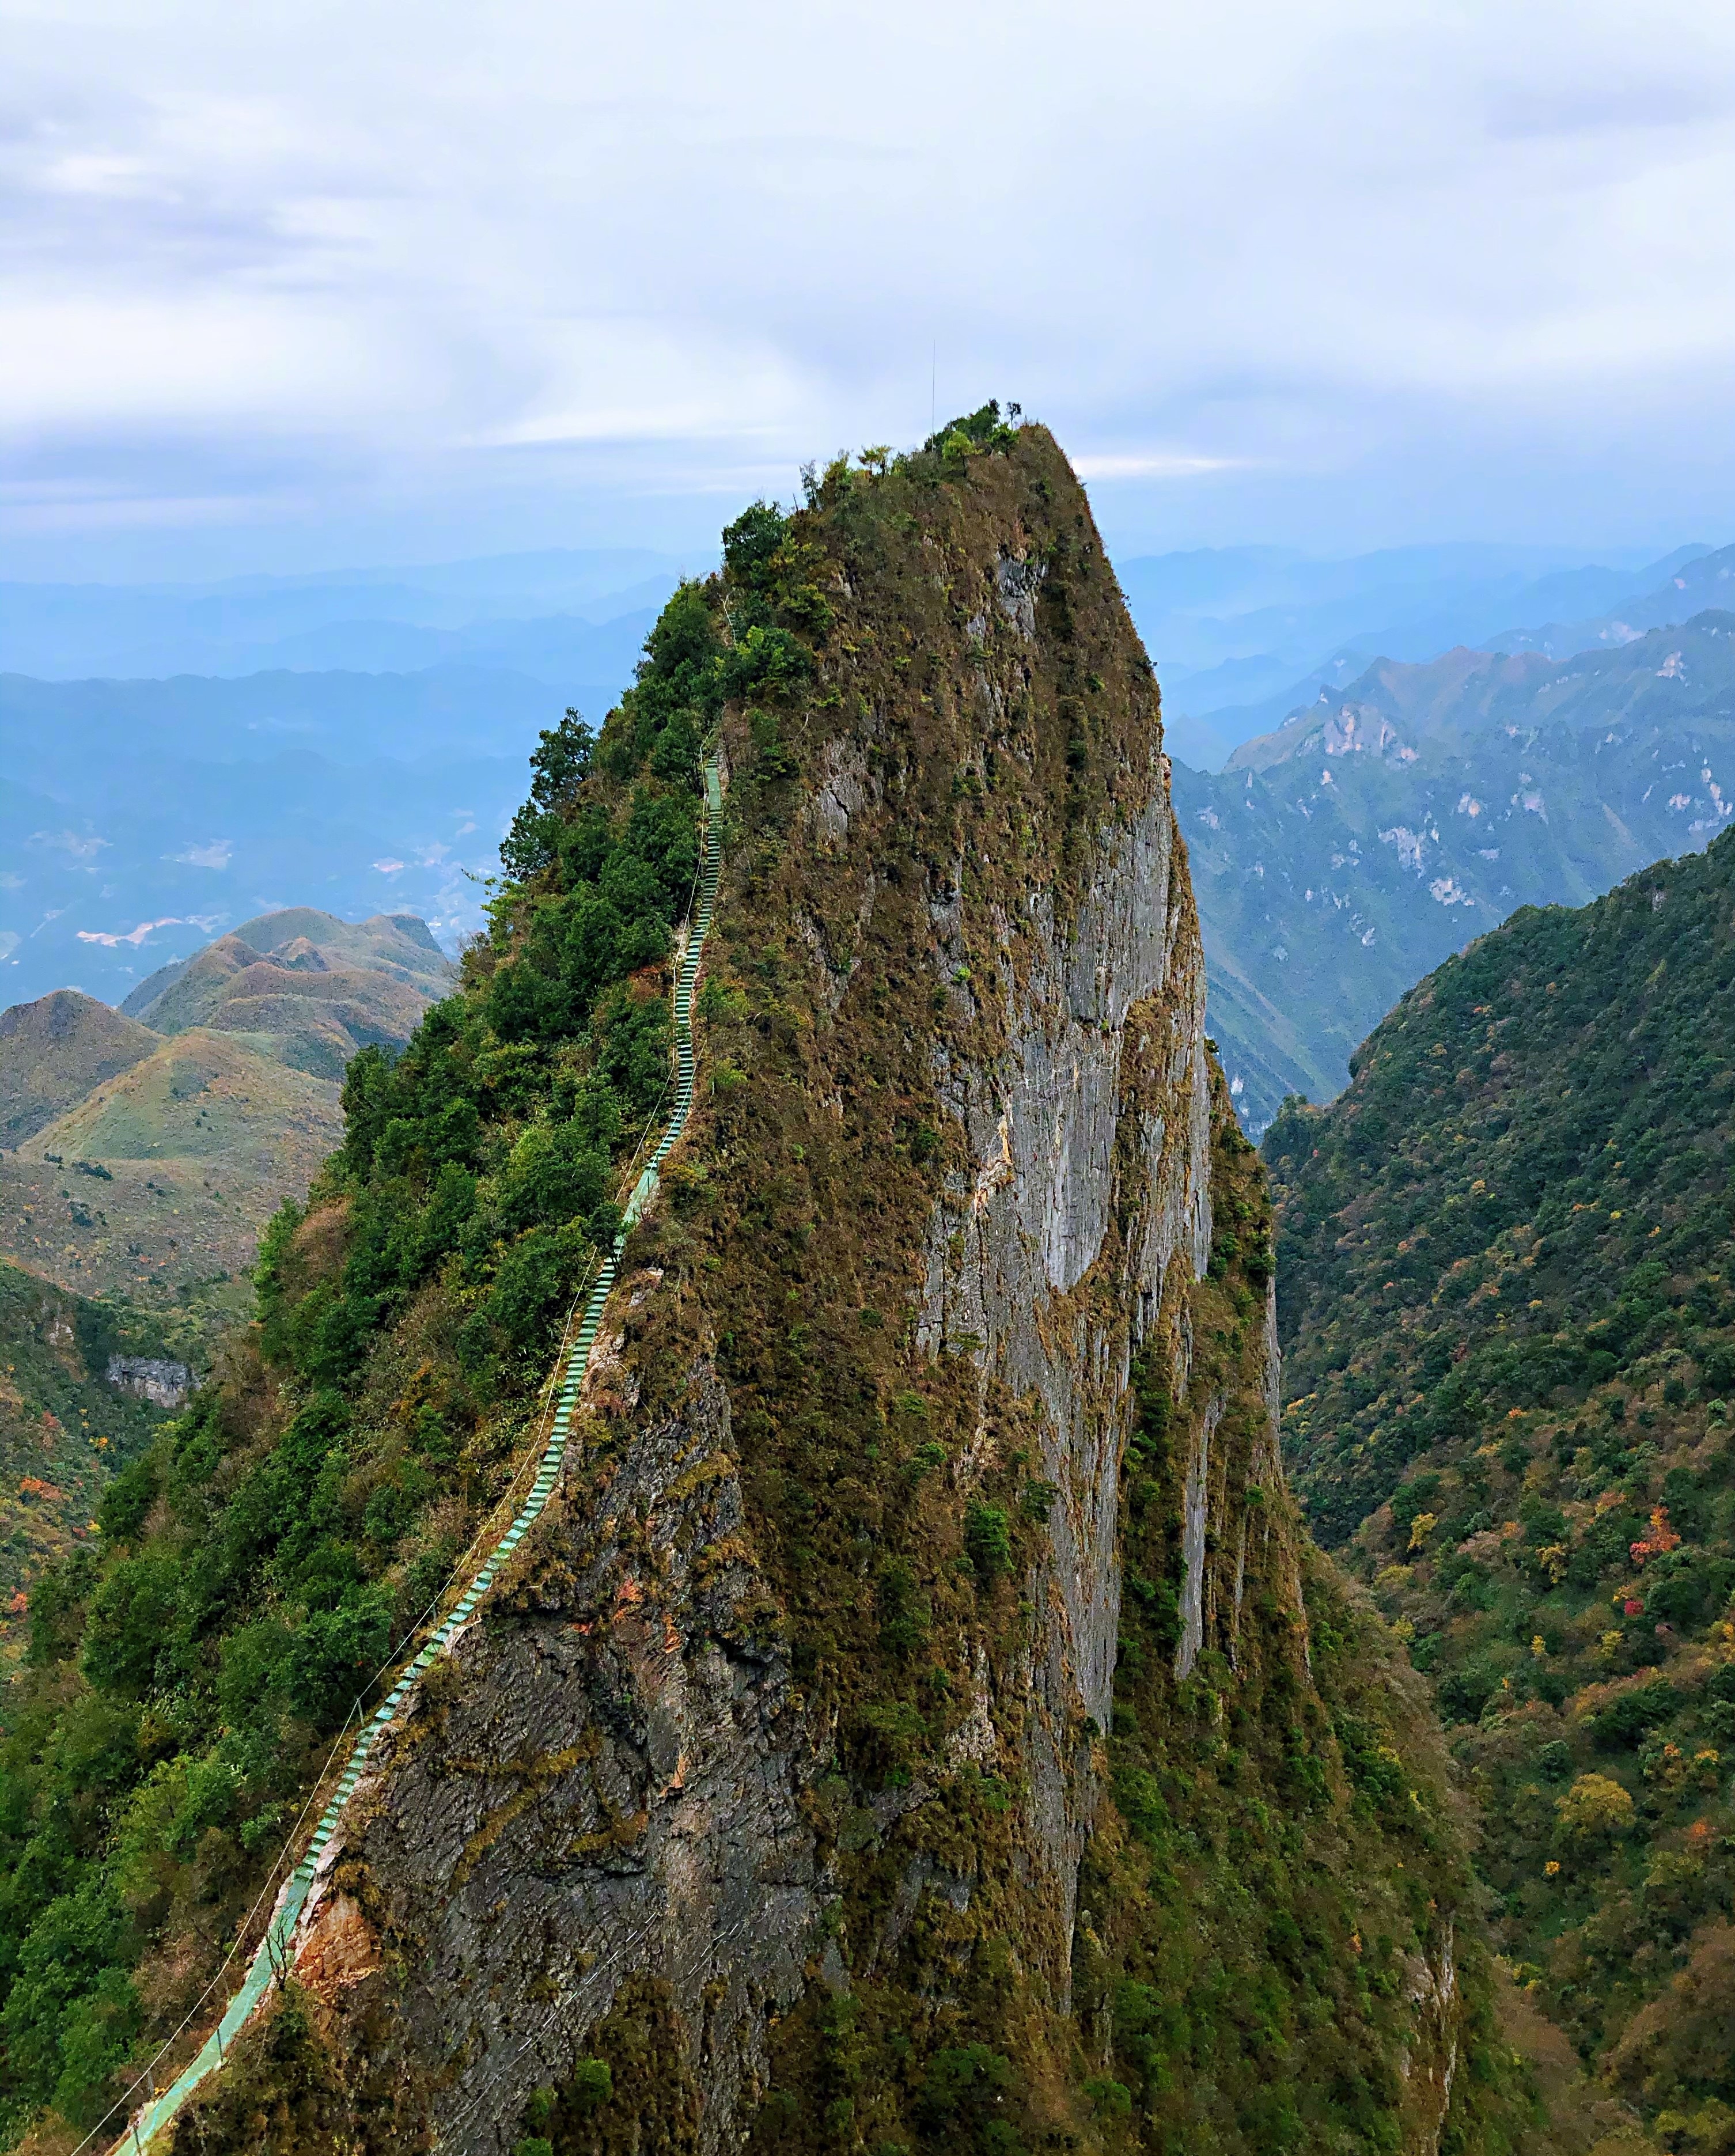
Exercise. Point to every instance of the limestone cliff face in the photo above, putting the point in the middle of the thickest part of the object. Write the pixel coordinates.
(1084, 1179)
(873, 1742)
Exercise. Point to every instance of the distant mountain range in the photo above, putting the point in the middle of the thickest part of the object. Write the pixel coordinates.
(557, 616)
(357, 740)
(1702, 583)
(1339, 859)
(1410, 604)
(139, 819)
(151, 1145)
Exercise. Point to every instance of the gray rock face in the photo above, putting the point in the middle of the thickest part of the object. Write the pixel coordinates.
(164, 1383)
(608, 1782)
(605, 1784)
(1089, 1141)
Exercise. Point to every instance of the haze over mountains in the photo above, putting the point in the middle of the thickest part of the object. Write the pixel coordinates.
(1339, 859)
(561, 614)
(1253, 632)
(139, 816)
(372, 760)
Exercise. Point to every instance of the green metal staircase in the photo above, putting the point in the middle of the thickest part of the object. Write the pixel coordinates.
(275, 1951)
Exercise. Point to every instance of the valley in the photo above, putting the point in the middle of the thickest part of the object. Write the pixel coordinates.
(1343, 857)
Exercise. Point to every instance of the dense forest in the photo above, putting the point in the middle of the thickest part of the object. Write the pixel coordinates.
(1506, 1279)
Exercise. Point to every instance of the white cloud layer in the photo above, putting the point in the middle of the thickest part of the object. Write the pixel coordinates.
(538, 269)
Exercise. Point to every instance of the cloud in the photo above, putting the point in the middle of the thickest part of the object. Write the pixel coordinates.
(135, 937)
(216, 855)
(82, 847)
(547, 273)
(1157, 463)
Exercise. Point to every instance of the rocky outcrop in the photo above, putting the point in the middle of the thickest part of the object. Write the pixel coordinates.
(164, 1383)
(1084, 1177)
(608, 1786)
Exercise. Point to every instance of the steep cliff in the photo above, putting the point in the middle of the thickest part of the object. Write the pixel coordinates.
(917, 1720)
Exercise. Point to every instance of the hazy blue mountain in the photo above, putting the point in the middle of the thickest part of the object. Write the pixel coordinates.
(1343, 857)
(499, 611)
(139, 819)
(1242, 639)
(58, 732)
(153, 857)
(371, 765)
(554, 648)
(1686, 588)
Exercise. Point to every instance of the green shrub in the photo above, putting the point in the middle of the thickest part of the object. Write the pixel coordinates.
(592, 2084)
(963, 2087)
(987, 1540)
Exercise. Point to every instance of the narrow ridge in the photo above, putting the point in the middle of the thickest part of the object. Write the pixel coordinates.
(273, 1954)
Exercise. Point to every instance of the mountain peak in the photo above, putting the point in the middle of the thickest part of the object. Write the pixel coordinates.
(55, 1051)
(311, 986)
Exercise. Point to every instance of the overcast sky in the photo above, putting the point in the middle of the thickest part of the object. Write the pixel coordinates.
(291, 283)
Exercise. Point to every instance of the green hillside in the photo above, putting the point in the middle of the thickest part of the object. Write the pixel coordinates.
(56, 1050)
(1339, 859)
(1506, 1286)
(63, 1429)
(156, 1188)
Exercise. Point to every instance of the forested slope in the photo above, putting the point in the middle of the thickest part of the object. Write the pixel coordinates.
(1507, 1293)
(63, 1429)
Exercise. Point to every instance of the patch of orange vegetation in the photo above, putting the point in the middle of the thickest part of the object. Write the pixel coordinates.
(341, 1950)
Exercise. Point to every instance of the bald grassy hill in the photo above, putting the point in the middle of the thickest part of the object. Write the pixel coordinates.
(54, 1051)
(156, 1187)
(308, 989)
(150, 1144)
